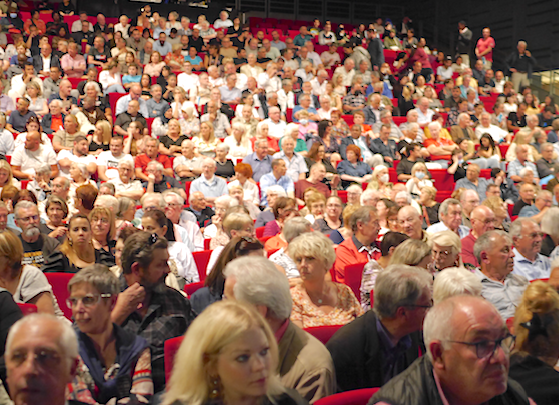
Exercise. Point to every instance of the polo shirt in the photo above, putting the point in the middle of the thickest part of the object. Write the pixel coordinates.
(514, 168)
(215, 187)
(295, 166)
(468, 256)
(468, 185)
(270, 180)
(529, 211)
(351, 251)
(19, 121)
(539, 268)
(504, 296)
(259, 167)
(142, 161)
(302, 185)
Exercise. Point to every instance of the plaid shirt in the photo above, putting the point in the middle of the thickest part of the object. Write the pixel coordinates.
(168, 316)
(355, 100)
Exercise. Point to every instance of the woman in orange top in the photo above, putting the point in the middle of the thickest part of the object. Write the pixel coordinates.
(440, 149)
(37, 22)
(277, 242)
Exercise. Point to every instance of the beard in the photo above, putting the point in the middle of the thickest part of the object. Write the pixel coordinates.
(32, 232)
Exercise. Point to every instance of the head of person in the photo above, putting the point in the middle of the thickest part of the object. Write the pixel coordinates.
(41, 359)
(468, 344)
(27, 218)
(102, 224)
(526, 237)
(482, 219)
(494, 253)
(469, 200)
(238, 224)
(365, 225)
(144, 260)
(85, 197)
(450, 213)
(313, 254)
(413, 252)
(410, 222)
(455, 281)
(446, 250)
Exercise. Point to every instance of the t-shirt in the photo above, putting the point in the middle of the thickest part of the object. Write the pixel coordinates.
(34, 254)
(167, 141)
(99, 56)
(111, 162)
(483, 44)
(439, 143)
(28, 160)
(143, 160)
(67, 154)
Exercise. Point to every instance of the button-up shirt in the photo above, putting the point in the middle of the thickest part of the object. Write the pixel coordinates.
(270, 180)
(424, 118)
(539, 268)
(214, 187)
(391, 352)
(514, 168)
(259, 167)
(463, 231)
(295, 166)
(468, 185)
(504, 296)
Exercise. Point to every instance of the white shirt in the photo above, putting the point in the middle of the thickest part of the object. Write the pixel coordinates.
(275, 130)
(182, 257)
(18, 86)
(20, 140)
(130, 186)
(286, 101)
(110, 162)
(424, 118)
(219, 23)
(498, 134)
(67, 154)
(269, 84)
(30, 160)
(186, 81)
(107, 80)
(6, 143)
(123, 29)
(317, 88)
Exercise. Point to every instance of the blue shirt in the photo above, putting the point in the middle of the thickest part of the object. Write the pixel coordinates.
(529, 211)
(310, 110)
(162, 49)
(216, 187)
(540, 268)
(514, 168)
(504, 296)
(269, 180)
(359, 170)
(159, 30)
(131, 79)
(295, 166)
(259, 167)
(300, 40)
(391, 352)
(196, 61)
(468, 185)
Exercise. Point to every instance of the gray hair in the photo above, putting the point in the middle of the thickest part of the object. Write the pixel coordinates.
(260, 141)
(224, 146)
(277, 190)
(107, 201)
(355, 188)
(515, 230)
(363, 215)
(23, 205)
(294, 227)
(68, 340)
(158, 196)
(399, 286)
(227, 200)
(99, 277)
(126, 162)
(173, 194)
(124, 204)
(43, 168)
(410, 252)
(56, 102)
(524, 171)
(260, 283)
(403, 194)
(239, 126)
(156, 165)
(434, 124)
(486, 241)
(550, 222)
(83, 168)
(443, 209)
(367, 195)
(455, 281)
(92, 84)
(316, 245)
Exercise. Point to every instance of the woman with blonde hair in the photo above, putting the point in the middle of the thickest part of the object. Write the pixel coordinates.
(37, 103)
(536, 351)
(208, 359)
(380, 180)
(103, 228)
(429, 207)
(446, 250)
(498, 206)
(170, 143)
(101, 137)
(338, 83)
(413, 252)
(239, 144)
(317, 301)
(206, 142)
(419, 180)
(6, 176)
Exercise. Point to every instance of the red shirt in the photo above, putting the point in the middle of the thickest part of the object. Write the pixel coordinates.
(143, 160)
(302, 185)
(483, 44)
(346, 254)
(439, 143)
(468, 250)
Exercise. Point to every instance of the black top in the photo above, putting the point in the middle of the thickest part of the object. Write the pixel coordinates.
(35, 254)
(518, 206)
(167, 141)
(58, 262)
(290, 397)
(539, 380)
(432, 213)
(203, 217)
(226, 170)
(94, 146)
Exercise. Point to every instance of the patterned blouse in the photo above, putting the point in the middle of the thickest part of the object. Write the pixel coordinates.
(370, 273)
(306, 312)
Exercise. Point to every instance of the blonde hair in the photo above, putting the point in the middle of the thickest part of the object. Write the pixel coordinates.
(107, 131)
(542, 301)
(211, 139)
(6, 166)
(313, 244)
(12, 249)
(419, 165)
(216, 327)
(102, 211)
(35, 86)
(410, 252)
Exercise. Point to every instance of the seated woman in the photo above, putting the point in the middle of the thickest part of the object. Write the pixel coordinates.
(339, 235)
(6, 176)
(381, 180)
(170, 143)
(80, 177)
(419, 180)
(114, 364)
(315, 205)
(220, 333)
(77, 251)
(429, 207)
(317, 154)
(224, 167)
(37, 103)
(243, 175)
(455, 281)
(280, 205)
(354, 170)
(446, 250)
(181, 262)
(535, 354)
(238, 142)
(27, 284)
(413, 252)
(237, 192)
(57, 211)
(383, 206)
(317, 302)
(332, 216)
(102, 228)
(206, 142)
(222, 204)
(99, 140)
(85, 199)
(215, 281)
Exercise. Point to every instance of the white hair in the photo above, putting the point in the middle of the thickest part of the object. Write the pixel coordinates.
(158, 166)
(434, 125)
(260, 283)
(367, 195)
(524, 171)
(227, 200)
(277, 190)
(550, 222)
(107, 201)
(405, 195)
(455, 281)
(173, 194)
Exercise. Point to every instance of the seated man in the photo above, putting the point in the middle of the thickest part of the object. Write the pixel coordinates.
(295, 163)
(526, 194)
(485, 127)
(125, 184)
(164, 313)
(520, 163)
(107, 161)
(198, 206)
(450, 372)
(64, 94)
(374, 348)
(18, 119)
(410, 222)
(208, 183)
(132, 114)
(450, 216)
(316, 176)
(157, 181)
(527, 240)
(536, 211)
(482, 219)
(502, 288)
(259, 160)
(472, 181)
(385, 147)
(135, 93)
(30, 156)
(361, 247)
(439, 148)
(78, 154)
(187, 166)
(277, 177)
(152, 153)
(304, 364)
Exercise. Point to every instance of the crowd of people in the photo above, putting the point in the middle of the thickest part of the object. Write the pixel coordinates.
(349, 179)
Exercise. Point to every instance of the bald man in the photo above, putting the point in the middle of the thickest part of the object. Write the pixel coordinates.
(482, 219)
(132, 114)
(410, 223)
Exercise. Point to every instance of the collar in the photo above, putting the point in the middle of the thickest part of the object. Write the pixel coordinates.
(208, 181)
(522, 258)
(281, 331)
(385, 337)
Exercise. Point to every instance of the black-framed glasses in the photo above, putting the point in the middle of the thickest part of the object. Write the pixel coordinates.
(486, 348)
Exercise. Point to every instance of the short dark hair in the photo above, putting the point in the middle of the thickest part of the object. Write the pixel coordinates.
(391, 239)
(139, 248)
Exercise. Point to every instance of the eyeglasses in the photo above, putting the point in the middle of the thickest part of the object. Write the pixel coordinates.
(87, 301)
(29, 218)
(443, 253)
(486, 348)
(426, 307)
(153, 238)
(174, 205)
(102, 220)
(48, 359)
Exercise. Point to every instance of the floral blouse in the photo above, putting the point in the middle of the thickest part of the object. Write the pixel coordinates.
(340, 132)
(306, 312)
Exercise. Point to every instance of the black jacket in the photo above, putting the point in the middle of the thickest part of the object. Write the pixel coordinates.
(416, 386)
(38, 62)
(358, 357)
(540, 380)
(46, 123)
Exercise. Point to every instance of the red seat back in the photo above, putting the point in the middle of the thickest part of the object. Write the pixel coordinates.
(323, 333)
(353, 275)
(27, 308)
(113, 98)
(355, 397)
(170, 349)
(59, 283)
(190, 289)
(202, 258)
(260, 232)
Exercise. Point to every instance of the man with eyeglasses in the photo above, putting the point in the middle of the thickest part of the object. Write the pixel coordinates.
(536, 211)
(259, 160)
(41, 360)
(495, 255)
(377, 346)
(472, 181)
(450, 215)
(36, 246)
(527, 239)
(467, 360)
(147, 307)
(483, 220)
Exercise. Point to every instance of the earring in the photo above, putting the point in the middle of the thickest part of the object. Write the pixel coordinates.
(215, 389)
(70, 242)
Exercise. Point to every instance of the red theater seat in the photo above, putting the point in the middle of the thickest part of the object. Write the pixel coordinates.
(171, 348)
(355, 397)
(202, 259)
(59, 283)
(323, 333)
